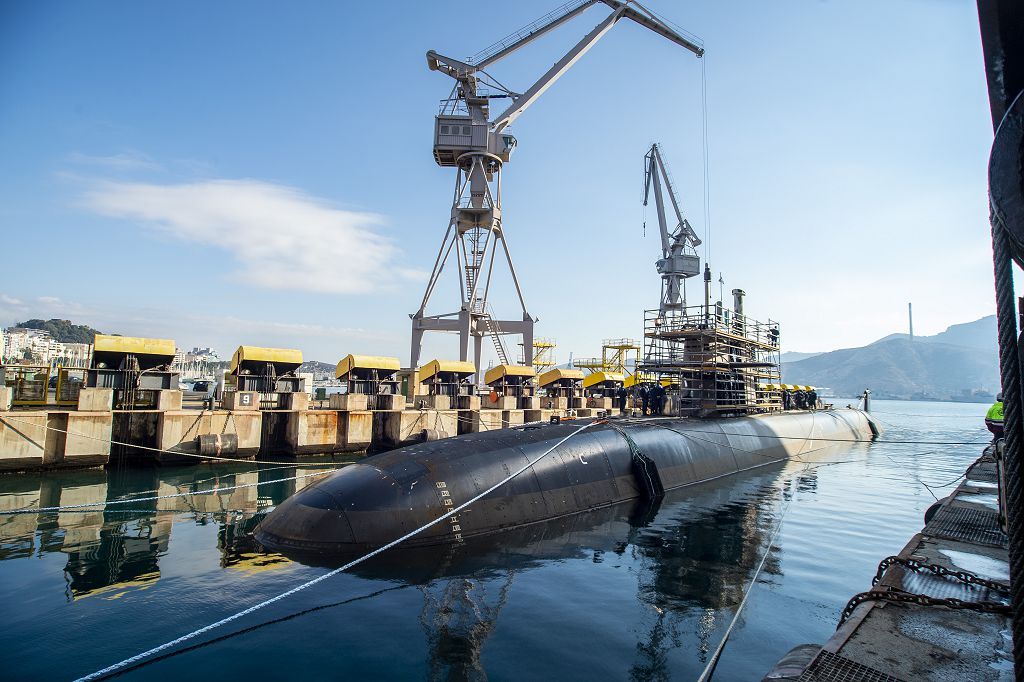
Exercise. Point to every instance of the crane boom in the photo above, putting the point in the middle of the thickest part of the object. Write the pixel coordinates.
(528, 33)
(520, 104)
(465, 71)
(621, 9)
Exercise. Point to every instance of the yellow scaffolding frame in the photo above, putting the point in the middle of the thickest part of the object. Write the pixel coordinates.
(615, 355)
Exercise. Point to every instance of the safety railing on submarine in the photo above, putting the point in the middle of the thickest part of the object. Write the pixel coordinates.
(714, 360)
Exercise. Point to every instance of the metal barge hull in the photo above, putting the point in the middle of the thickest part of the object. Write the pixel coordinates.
(388, 495)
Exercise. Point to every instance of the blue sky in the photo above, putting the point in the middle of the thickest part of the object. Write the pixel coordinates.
(261, 172)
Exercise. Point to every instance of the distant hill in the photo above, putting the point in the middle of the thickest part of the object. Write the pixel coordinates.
(320, 370)
(959, 363)
(980, 335)
(63, 330)
(796, 356)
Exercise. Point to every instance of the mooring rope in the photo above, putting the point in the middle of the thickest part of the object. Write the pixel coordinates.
(267, 602)
(825, 440)
(709, 669)
(4, 418)
(129, 500)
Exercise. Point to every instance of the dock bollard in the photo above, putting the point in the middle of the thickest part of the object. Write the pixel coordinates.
(215, 444)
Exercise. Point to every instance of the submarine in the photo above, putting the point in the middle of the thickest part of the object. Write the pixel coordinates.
(385, 496)
(711, 362)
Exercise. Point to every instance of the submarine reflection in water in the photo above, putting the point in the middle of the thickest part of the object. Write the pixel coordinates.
(389, 495)
(692, 553)
(117, 548)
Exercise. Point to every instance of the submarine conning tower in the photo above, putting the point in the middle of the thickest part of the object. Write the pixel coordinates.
(715, 362)
(385, 496)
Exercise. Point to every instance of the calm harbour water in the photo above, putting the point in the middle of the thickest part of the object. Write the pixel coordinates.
(621, 593)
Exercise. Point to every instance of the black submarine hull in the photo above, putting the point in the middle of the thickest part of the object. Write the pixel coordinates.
(385, 496)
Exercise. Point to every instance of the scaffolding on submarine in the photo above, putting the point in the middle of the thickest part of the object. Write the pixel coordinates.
(713, 361)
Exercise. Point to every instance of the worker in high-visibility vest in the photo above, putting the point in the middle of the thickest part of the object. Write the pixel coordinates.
(994, 418)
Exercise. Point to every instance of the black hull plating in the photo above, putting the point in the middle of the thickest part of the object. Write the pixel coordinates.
(388, 495)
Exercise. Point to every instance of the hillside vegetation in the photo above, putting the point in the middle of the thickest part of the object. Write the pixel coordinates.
(63, 330)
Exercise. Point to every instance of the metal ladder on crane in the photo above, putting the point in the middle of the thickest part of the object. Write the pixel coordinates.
(495, 333)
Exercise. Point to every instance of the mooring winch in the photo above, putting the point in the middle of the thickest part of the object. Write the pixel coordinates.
(442, 383)
(264, 374)
(563, 388)
(137, 369)
(511, 387)
(601, 387)
(370, 382)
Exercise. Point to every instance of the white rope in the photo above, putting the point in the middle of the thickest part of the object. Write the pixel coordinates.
(129, 500)
(4, 418)
(255, 607)
(709, 669)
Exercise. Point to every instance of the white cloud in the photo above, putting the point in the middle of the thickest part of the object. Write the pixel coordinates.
(280, 237)
(14, 309)
(223, 332)
(126, 161)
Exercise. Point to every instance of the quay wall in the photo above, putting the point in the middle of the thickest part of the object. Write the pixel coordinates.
(45, 439)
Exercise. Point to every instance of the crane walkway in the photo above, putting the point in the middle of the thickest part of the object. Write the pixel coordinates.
(544, 23)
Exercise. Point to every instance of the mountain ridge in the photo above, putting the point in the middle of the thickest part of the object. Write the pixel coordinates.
(960, 363)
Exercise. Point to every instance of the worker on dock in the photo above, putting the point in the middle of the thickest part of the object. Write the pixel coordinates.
(621, 396)
(994, 418)
(644, 393)
(657, 399)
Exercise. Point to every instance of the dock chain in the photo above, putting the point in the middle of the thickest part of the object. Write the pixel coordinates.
(918, 567)
(892, 594)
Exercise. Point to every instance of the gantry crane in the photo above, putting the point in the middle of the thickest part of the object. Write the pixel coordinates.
(679, 258)
(466, 139)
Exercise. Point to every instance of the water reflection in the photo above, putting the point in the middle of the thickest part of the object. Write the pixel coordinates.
(117, 548)
(692, 556)
(689, 557)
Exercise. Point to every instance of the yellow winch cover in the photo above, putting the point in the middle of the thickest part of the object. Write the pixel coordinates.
(351, 362)
(104, 343)
(553, 375)
(457, 367)
(289, 357)
(602, 377)
(634, 379)
(495, 373)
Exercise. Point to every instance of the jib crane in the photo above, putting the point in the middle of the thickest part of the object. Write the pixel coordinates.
(465, 138)
(679, 258)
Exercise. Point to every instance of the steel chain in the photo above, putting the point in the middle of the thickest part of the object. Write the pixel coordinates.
(902, 597)
(918, 567)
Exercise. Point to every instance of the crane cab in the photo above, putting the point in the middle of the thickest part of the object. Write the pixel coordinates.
(455, 136)
(682, 265)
